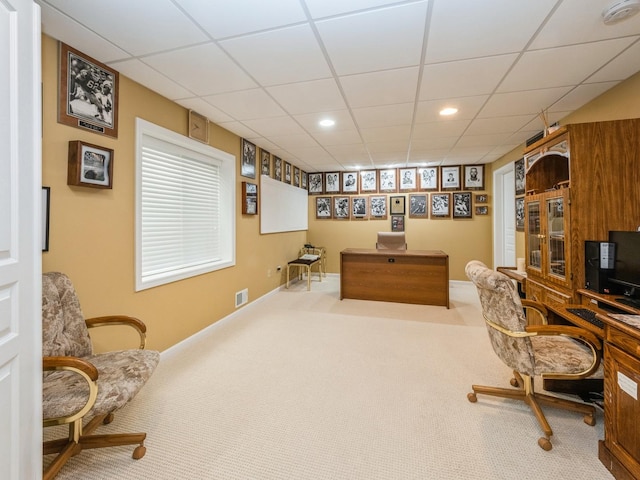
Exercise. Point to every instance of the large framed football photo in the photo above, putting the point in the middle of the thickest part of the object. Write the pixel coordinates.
(88, 93)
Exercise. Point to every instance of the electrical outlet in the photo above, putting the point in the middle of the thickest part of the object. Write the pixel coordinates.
(269, 272)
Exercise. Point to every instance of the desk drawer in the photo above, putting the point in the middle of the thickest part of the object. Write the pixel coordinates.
(625, 342)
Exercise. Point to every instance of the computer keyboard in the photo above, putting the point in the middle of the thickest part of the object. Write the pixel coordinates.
(588, 315)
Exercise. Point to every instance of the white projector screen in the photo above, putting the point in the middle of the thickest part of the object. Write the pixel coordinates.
(283, 208)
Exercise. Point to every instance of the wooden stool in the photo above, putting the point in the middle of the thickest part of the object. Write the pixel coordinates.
(301, 264)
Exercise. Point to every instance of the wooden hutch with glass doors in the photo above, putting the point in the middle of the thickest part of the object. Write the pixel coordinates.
(581, 181)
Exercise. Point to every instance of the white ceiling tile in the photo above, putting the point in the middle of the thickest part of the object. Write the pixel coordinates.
(522, 103)
(280, 56)
(444, 128)
(342, 118)
(621, 67)
(375, 40)
(147, 76)
(65, 29)
(246, 105)
(199, 105)
(241, 130)
(308, 97)
(381, 88)
(562, 66)
(203, 69)
(433, 142)
(393, 133)
(462, 29)
(581, 95)
(326, 8)
(147, 25)
(294, 141)
(337, 137)
(468, 108)
(382, 116)
(485, 141)
(487, 126)
(275, 126)
(580, 21)
(477, 76)
(224, 19)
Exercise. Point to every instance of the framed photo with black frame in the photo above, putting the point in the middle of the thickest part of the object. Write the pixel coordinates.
(87, 93)
(440, 207)
(397, 223)
(341, 208)
(315, 183)
(89, 165)
(520, 178)
(418, 205)
(323, 208)
(249, 198)
(296, 177)
(287, 172)
(303, 179)
(377, 207)
(519, 214)
(248, 166)
(277, 168)
(397, 205)
(265, 162)
(462, 205)
(359, 208)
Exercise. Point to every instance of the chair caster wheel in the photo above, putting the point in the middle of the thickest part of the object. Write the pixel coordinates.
(545, 444)
(514, 382)
(139, 452)
(589, 420)
(472, 397)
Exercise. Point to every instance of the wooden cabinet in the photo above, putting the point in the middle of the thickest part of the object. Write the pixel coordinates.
(581, 182)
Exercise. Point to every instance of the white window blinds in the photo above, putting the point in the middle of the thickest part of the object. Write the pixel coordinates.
(181, 197)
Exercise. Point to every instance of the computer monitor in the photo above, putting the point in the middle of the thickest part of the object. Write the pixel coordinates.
(391, 241)
(627, 263)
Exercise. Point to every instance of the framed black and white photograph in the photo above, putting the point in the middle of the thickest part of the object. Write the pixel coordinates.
(46, 207)
(418, 205)
(359, 207)
(249, 198)
(265, 162)
(518, 170)
(296, 177)
(303, 180)
(462, 205)
(315, 183)
(520, 214)
(397, 223)
(368, 181)
(428, 178)
(482, 198)
(341, 207)
(323, 207)
(89, 165)
(388, 180)
(450, 178)
(440, 205)
(408, 180)
(474, 177)
(349, 182)
(277, 168)
(332, 182)
(482, 210)
(88, 93)
(248, 167)
(287, 172)
(397, 205)
(378, 207)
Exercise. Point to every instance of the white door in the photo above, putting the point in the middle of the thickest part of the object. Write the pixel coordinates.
(20, 241)
(504, 219)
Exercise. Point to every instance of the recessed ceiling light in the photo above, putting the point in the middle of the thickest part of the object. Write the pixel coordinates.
(448, 111)
(327, 122)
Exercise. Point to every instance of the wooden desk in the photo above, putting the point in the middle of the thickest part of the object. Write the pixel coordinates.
(404, 276)
(520, 277)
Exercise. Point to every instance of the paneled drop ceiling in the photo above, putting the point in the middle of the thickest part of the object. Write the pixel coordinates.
(270, 70)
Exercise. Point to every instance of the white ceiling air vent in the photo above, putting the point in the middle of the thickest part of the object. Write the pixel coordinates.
(620, 10)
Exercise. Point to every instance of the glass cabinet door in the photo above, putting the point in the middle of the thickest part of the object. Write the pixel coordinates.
(534, 235)
(555, 229)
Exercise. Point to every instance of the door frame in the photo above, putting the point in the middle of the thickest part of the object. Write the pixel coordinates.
(503, 194)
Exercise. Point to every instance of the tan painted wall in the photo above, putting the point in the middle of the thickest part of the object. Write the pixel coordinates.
(92, 231)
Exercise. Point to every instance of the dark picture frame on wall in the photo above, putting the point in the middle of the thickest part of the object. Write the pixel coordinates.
(323, 208)
(89, 165)
(87, 93)
(474, 177)
(397, 223)
(248, 167)
(265, 162)
(397, 205)
(378, 207)
(315, 183)
(249, 198)
(418, 205)
(440, 205)
(519, 214)
(519, 174)
(277, 168)
(287, 172)
(359, 208)
(462, 205)
(341, 208)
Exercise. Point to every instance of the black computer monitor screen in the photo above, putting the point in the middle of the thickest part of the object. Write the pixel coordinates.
(627, 264)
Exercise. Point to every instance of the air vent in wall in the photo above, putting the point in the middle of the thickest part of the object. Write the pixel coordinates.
(242, 297)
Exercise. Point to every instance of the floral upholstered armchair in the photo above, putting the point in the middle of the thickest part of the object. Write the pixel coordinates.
(81, 388)
(548, 351)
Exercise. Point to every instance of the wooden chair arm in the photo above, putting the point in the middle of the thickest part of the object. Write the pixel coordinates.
(537, 307)
(71, 364)
(567, 330)
(110, 320)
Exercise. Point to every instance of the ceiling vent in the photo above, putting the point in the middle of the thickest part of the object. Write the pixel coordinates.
(620, 10)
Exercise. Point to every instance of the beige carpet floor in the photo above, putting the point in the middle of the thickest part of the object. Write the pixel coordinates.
(301, 385)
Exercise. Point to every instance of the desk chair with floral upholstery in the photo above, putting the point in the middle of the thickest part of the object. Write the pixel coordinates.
(80, 385)
(549, 351)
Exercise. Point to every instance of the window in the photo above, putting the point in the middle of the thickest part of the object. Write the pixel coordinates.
(185, 207)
